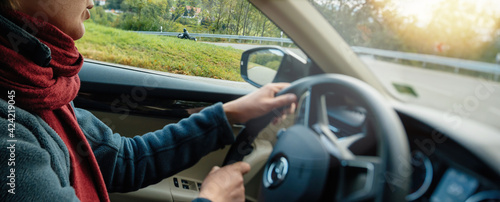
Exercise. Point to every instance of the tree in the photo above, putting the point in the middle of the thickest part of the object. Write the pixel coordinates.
(179, 10)
(217, 16)
(113, 4)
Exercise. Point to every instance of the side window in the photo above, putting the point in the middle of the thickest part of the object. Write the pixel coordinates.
(149, 34)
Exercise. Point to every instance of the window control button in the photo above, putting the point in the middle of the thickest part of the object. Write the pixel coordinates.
(184, 181)
(176, 183)
(185, 186)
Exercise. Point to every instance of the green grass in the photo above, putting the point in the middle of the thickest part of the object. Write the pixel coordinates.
(160, 53)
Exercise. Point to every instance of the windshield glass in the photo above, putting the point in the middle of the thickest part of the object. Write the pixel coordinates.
(443, 54)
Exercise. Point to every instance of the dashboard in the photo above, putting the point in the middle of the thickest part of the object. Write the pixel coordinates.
(443, 170)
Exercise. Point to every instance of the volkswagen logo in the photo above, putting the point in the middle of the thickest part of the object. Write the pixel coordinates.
(275, 172)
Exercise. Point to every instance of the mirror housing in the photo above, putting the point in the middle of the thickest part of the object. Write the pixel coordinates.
(263, 65)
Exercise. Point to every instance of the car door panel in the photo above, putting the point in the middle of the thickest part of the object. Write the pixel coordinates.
(133, 101)
(99, 77)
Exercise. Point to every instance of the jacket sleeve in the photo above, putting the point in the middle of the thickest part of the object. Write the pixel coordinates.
(128, 164)
(30, 172)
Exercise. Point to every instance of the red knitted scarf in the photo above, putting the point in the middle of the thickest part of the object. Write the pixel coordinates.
(47, 92)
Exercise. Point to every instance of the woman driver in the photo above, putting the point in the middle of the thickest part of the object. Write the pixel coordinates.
(58, 152)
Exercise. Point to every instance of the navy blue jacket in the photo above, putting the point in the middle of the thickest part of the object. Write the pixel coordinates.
(42, 164)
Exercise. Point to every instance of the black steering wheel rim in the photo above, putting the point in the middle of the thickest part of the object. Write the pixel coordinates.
(394, 170)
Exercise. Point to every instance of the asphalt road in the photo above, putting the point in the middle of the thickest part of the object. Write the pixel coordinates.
(235, 45)
(460, 97)
(261, 75)
(248, 46)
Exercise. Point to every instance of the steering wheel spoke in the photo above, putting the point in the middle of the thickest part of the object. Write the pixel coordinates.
(334, 145)
(349, 140)
(360, 178)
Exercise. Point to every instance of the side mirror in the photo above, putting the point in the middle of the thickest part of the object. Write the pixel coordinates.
(260, 66)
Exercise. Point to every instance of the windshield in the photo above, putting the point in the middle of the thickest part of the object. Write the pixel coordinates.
(443, 54)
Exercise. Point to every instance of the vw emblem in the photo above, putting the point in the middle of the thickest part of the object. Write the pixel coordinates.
(275, 172)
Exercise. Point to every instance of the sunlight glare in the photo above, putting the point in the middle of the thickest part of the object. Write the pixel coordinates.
(454, 28)
(421, 9)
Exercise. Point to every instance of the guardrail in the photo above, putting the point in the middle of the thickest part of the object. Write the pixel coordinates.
(236, 37)
(455, 63)
(432, 59)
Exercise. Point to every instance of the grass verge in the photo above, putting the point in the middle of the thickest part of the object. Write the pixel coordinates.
(159, 53)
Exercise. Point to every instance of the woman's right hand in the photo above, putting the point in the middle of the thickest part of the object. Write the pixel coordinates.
(226, 183)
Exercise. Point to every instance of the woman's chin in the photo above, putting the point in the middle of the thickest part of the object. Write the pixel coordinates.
(78, 32)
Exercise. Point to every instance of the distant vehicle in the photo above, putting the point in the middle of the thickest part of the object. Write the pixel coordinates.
(182, 36)
(185, 35)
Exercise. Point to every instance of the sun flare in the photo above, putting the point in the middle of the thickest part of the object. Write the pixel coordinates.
(422, 10)
(455, 28)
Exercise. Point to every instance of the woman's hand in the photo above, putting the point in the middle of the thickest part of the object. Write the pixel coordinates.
(258, 103)
(226, 183)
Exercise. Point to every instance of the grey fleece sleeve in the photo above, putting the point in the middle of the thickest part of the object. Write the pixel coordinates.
(128, 164)
(40, 173)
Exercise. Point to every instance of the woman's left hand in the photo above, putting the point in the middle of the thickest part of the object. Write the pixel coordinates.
(258, 103)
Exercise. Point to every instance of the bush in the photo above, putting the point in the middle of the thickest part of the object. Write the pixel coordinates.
(99, 16)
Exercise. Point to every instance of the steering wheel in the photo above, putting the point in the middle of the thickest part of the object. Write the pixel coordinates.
(310, 163)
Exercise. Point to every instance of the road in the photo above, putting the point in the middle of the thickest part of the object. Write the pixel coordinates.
(249, 46)
(460, 97)
(235, 45)
(261, 75)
